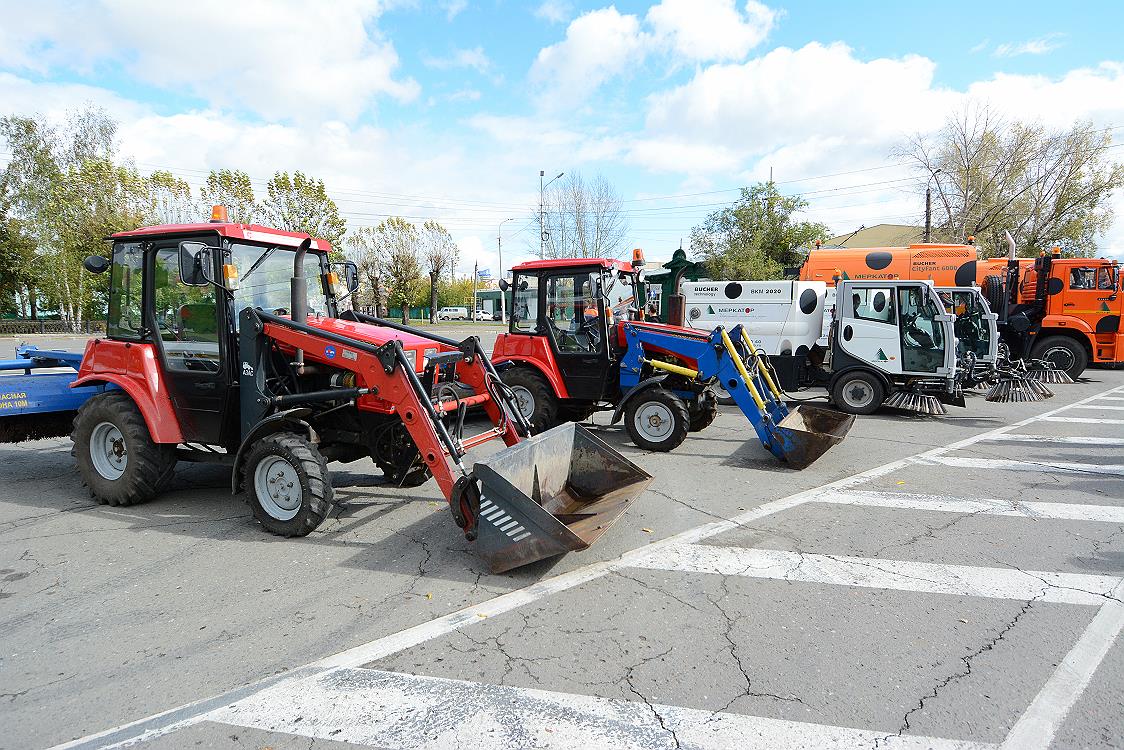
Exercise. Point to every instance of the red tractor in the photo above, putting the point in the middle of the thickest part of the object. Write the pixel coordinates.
(225, 343)
(578, 343)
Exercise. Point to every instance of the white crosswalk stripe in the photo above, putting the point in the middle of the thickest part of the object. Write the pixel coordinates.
(1054, 439)
(1100, 407)
(1082, 420)
(1052, 467)
(871, 572)
(982, 506)
(410, 712)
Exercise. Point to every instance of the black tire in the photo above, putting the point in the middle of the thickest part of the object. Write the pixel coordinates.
(291, 457)
(664, 406)
(1063, 353)
(705, 411)
(858, 392)
(145, 467)
(993, 293)
(530, 385)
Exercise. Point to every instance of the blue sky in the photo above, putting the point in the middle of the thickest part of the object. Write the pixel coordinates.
(449, 109)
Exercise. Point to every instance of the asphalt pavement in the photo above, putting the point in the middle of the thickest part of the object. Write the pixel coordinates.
(947, 582)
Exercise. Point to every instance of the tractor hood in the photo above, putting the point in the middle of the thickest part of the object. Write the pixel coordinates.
(378, 335)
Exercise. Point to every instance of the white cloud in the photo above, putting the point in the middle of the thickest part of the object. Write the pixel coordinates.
(710, 29)
(453, 8)
(598, 45)
(278, 59)
(1039, 46)
(462, 58)
(555, 11)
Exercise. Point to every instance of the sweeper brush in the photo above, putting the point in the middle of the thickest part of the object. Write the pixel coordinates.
(1042, 372)
(1020, 390)
(921, 403)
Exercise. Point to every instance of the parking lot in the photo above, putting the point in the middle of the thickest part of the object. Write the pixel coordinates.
(950, 582)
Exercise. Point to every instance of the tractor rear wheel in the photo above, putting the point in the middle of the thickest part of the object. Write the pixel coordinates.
(656, 420)
(704, 412)
(858, 392)
(534, 397)
(118, 461)
(288, 482)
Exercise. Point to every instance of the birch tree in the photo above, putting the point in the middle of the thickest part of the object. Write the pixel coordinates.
(440, 254)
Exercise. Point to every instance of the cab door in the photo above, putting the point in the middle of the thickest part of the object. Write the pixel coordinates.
(867, 325)
(187, 330)
(575, 320)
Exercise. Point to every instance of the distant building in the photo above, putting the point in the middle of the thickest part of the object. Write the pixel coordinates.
(879, 235)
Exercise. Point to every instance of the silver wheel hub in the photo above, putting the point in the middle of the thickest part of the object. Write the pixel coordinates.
(524, 400)
(108, 452)
(858, 393)
(654, 420)
(277, 486)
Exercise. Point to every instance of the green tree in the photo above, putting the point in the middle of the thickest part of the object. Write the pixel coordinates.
(440, 254)
(68, 192)
(301, 204)
(170, 200)
(231, 188)
(363, 248)
(988, 175)
(756, 237)
(399, 247)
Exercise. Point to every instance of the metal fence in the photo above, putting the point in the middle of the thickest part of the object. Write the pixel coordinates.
(25, 327)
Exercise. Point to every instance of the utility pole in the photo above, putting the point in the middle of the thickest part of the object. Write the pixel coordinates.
(929, 207)
(475, 276)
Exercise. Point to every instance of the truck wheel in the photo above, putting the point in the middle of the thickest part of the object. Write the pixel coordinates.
(118, 461)
(705, 411)
(656, 420)
(534, 397)
(858, 393)
(993, 292)
(1063, 353)
(287, 478)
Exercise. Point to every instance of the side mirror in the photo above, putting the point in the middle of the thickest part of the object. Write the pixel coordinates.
(196, 264)
(96, 263)
(523, 285)
(504, 285)
(350, 273)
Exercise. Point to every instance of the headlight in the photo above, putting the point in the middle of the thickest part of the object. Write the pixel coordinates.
(412, 356)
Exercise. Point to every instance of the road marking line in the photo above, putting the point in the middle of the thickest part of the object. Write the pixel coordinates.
(1004, 464)
(1042, 719)
(174, 719)
(1100, 406)
(879, 573)
(1083, 420)
(1110, 398)
(1055, 439)
(409, 712)
(983, 506)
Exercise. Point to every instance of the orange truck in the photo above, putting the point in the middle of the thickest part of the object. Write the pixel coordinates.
(1067, 311)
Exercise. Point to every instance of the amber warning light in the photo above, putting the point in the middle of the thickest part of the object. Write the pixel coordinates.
(219, 215)
(637, 258)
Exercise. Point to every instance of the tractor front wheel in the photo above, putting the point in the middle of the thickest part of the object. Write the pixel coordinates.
(534, 397)
(287, 478)
(118, 461)
(657, 420)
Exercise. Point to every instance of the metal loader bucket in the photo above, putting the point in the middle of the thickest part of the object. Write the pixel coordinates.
(807, 432)
(552, 493)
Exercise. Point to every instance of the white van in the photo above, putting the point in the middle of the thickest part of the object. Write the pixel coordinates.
(782, 317)
(452, 313)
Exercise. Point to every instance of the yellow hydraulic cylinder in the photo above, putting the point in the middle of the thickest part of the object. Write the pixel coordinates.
(761, 365)
(686, 372)
(741, 369)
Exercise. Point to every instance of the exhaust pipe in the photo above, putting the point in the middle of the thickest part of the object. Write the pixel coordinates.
(298, 297)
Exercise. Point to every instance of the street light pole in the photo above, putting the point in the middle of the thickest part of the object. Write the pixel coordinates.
(499, 249)
(542, 228)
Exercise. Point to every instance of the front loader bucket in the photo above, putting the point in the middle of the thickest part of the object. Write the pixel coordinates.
(552, 493)
(806, 434)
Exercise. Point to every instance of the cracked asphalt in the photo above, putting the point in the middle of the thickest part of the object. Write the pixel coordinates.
(110, 615)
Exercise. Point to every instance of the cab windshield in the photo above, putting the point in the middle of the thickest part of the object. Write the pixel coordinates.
(263, 279)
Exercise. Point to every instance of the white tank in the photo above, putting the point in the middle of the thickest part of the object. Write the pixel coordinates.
(782, 317)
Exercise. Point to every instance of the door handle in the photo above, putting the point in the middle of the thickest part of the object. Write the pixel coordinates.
(205, 386)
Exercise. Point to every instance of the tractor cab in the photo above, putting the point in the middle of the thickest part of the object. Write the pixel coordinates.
(566, 313)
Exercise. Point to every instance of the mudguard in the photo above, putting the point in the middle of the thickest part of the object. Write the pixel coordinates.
(289, 420)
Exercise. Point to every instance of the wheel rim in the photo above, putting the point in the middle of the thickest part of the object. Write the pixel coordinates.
(1060, 357)
(525, 400)
(654, 421)
(108, 451)
(858, 394)
(278, 487)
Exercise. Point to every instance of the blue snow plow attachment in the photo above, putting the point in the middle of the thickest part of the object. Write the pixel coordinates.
(36, 400)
